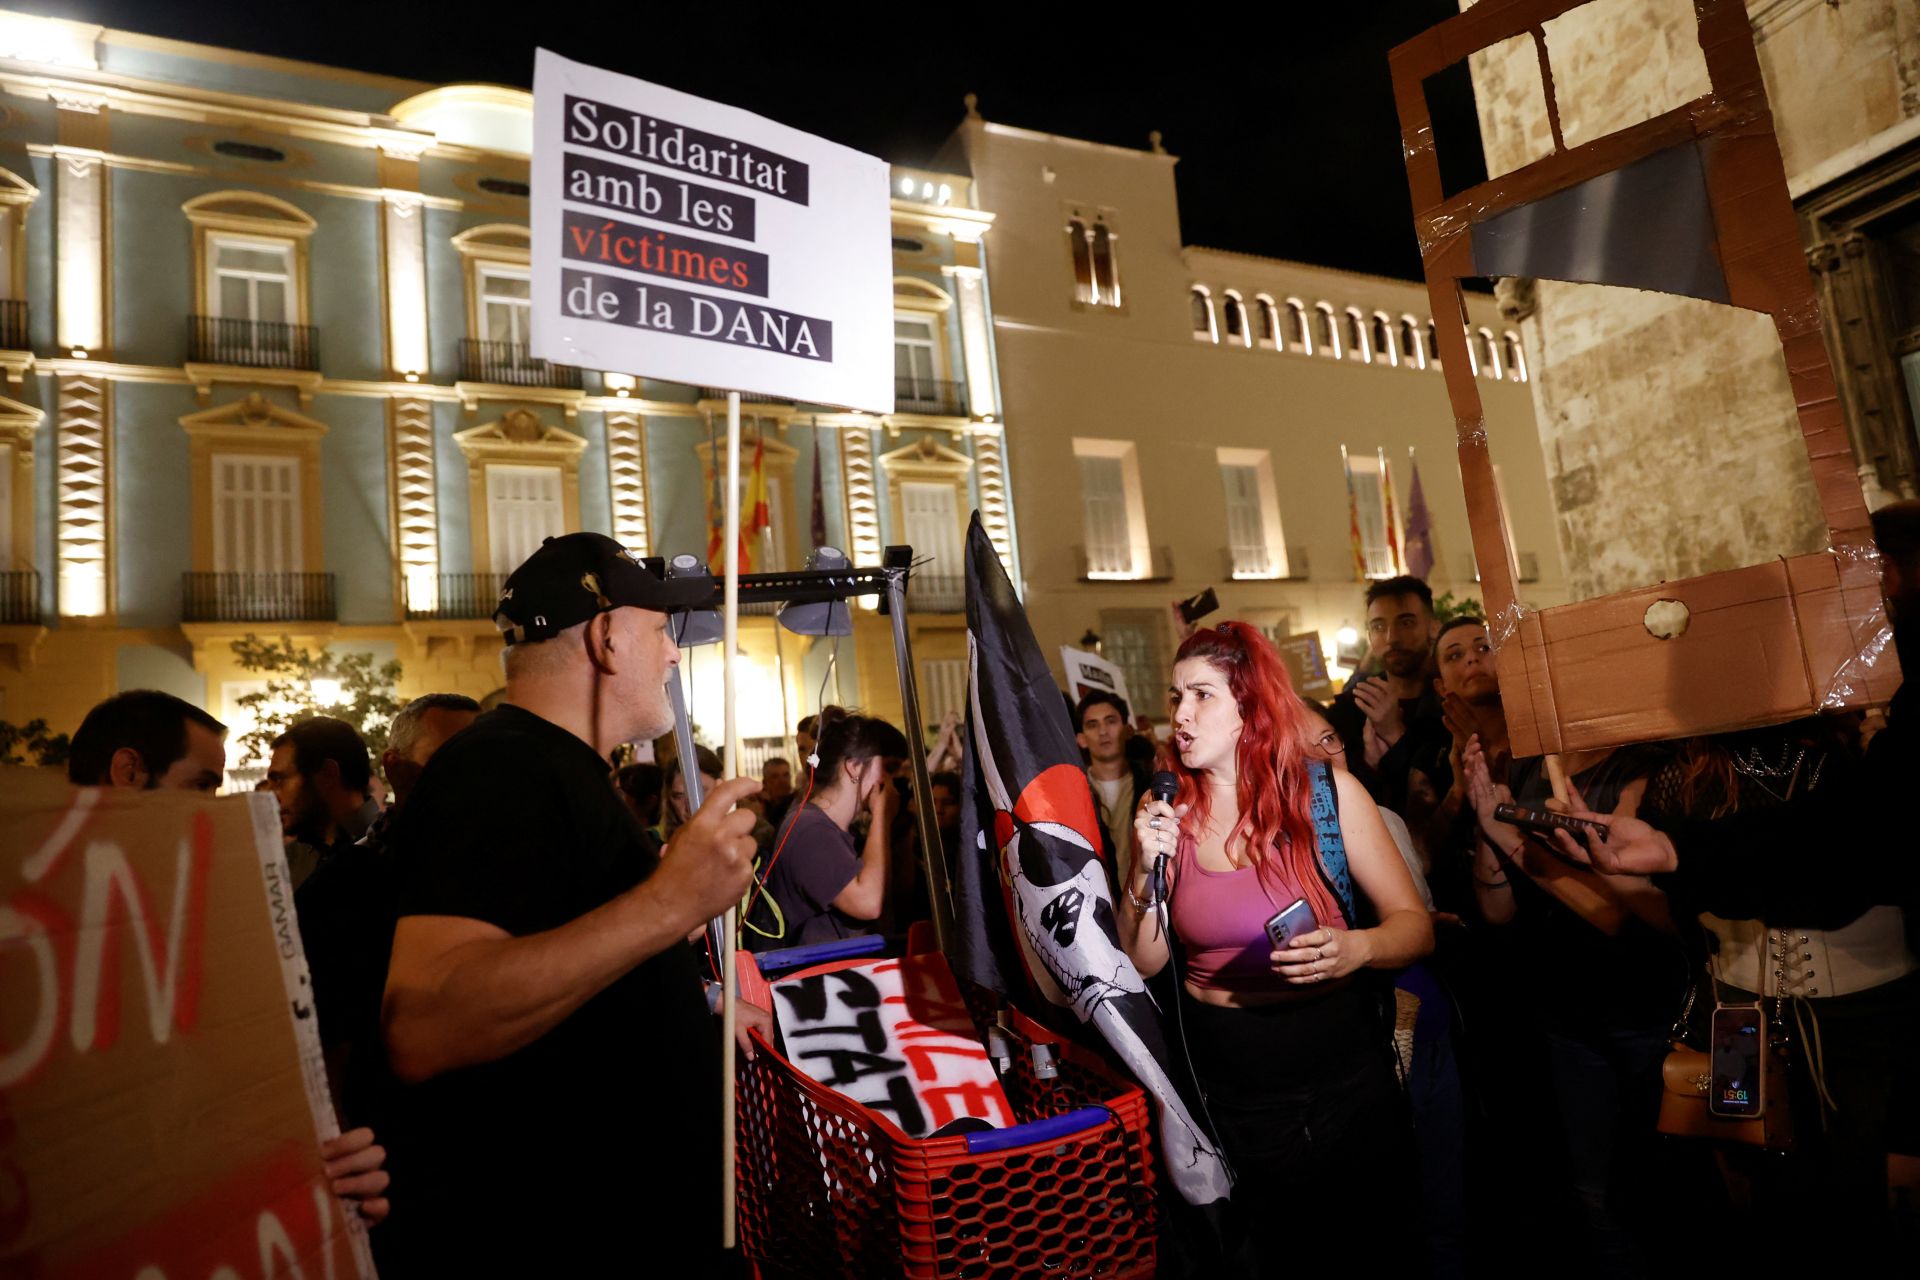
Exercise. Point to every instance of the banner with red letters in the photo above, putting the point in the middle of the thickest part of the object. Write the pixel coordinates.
(162, 1096)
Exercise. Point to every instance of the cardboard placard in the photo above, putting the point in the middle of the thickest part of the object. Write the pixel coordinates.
(1307, 665)
(162, 1097)
(1692, 202)
(1088, 672)
(679, 238)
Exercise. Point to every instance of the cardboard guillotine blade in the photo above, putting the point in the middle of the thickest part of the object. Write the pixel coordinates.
(1693, 202)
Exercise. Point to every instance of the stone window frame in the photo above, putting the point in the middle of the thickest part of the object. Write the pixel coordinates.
(256, 216)
(255, 425)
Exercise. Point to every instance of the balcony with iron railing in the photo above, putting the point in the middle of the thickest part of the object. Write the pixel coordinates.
(13, 325)
(257, 597)
(19, 598)
(252, 344)
(930, 396)
(746, 397)
(936, 592)
(510, 364)
(447, 596)
(1256, 563)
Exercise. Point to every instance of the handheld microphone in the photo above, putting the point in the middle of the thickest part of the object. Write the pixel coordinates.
(1163, 788)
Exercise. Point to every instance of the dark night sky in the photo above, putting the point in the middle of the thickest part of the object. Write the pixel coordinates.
(1284, 125)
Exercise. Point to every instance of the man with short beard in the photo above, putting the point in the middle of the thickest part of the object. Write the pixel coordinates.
(542, 1005)
(1388, 719)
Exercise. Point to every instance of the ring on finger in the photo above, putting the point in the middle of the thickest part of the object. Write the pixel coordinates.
(1154, 822)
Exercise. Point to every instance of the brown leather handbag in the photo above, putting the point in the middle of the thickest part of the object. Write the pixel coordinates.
(1687, 1074)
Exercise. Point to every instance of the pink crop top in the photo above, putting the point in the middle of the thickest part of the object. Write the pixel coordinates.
(1220, 918)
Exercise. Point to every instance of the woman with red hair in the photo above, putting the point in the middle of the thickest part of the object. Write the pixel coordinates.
(1291, 1050)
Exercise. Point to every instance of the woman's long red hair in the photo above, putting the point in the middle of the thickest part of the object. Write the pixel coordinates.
(1275, 789)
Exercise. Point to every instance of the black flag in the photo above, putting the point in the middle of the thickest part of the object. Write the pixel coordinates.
(1031, 904)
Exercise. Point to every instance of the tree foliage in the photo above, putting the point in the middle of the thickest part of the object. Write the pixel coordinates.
(32, 744)
(1446, 608)
(368, 698)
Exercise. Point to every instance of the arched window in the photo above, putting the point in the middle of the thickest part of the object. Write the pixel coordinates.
(1489, 353)
(1106, 264)
(1357, 344)
(1383, 344)
(1516, 359)
(1269, 322)
(1412, 353)
(1204, 326)
(1080, 245)
(1433, 348)
(1237, 330)
(1297, 331)
(1328, 333)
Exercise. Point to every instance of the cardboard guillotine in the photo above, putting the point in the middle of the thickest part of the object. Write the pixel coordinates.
(1694, 202)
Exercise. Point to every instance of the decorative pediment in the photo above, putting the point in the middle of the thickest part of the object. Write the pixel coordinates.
(926, 457)
(778, 456)
(19, 421)
(519, 433)
(253, 414)
(15, 189)
(496, 241)
(249, 211)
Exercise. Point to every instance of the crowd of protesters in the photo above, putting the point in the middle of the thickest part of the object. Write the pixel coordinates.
(1426, 1038)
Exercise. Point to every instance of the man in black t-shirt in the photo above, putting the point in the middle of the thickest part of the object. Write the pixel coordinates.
(542, 1004)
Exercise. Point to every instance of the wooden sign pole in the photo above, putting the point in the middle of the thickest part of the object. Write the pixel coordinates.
(730, 641)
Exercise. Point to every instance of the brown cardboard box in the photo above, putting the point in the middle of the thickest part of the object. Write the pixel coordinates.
(162, 1098)
(1693, 201)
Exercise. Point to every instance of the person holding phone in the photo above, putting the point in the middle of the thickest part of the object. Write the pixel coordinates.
(1290, 1046)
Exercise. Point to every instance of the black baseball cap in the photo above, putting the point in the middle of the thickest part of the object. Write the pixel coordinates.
(573, 577)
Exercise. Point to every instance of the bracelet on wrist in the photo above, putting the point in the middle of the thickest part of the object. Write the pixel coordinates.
(1502, 882)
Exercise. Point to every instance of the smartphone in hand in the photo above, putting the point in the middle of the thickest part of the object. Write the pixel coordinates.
(1291, 923)
(1545, 821)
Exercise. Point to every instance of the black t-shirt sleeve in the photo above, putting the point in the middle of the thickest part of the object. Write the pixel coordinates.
(472, 842)
(822, 865)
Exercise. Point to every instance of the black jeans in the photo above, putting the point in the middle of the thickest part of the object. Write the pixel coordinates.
(1305, 1104)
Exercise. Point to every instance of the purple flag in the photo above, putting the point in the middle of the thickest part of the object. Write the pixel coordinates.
(1419, 529)
(819, 529)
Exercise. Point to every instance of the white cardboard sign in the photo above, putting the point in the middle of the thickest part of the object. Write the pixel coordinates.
(686, 240)
(1088, 672)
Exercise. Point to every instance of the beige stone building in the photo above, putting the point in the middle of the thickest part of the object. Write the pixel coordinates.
(1667, 424)
(1177, 414)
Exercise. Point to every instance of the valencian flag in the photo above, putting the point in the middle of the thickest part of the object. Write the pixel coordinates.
(1031, 902)
(1389, 516)
(1353, 521)
(756, 513)
(1419, 527)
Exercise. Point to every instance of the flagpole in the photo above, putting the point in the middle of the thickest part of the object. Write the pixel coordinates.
(730, 641)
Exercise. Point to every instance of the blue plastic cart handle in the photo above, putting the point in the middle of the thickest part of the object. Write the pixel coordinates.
(865, 944)
(1037, 1130)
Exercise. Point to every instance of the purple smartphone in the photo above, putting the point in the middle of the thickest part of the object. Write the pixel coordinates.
(1290, 924)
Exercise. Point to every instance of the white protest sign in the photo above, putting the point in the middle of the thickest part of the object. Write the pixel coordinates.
(681, 239)
(895, 1036)
(1089, 672)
